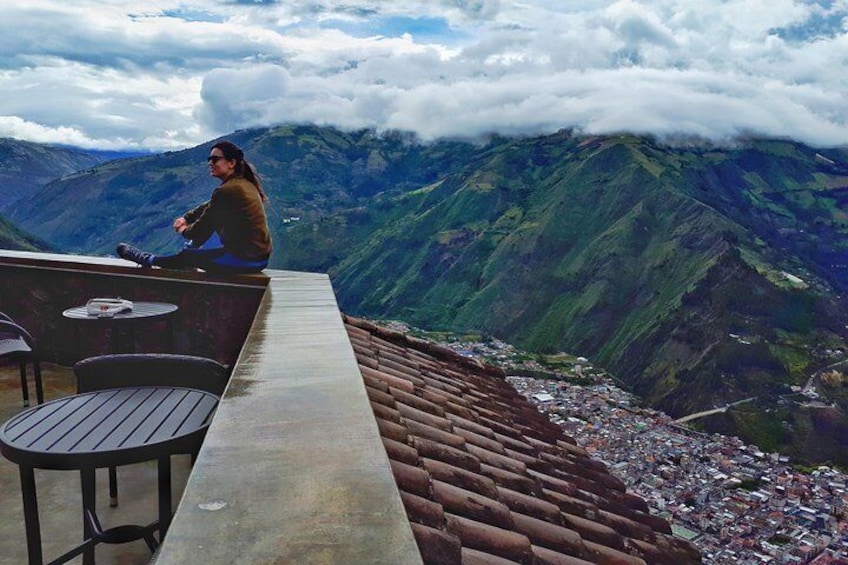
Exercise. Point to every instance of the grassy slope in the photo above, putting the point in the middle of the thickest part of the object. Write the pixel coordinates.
(644, 257)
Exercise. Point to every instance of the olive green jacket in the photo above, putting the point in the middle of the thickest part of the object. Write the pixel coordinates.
(237, 213)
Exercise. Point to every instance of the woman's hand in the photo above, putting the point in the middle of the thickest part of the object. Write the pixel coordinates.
(180, 224)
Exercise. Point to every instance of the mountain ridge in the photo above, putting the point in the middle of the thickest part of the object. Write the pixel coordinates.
(646, 257)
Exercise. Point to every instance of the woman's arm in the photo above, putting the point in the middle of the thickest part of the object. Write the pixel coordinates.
(202, 222)
(192, 215)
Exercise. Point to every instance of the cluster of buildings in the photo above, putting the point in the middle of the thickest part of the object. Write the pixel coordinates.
(737, 504)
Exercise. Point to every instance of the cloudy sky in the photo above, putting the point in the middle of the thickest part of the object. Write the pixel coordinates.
(169, 74)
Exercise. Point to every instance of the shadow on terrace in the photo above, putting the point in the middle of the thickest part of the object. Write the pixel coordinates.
(288, 456)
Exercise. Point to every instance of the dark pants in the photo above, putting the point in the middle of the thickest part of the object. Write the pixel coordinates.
(210, 257)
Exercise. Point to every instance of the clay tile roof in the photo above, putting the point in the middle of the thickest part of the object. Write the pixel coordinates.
(485, 478)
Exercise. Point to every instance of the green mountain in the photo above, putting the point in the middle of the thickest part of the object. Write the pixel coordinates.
(698, 275)
(12, 237)
(29, 166)
(308, 173)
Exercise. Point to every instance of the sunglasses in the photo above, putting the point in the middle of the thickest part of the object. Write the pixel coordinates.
(214, 158)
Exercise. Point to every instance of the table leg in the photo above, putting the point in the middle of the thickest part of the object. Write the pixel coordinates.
(171, 345)
(39, 385)
(164, 496)
(131, 337)
(24, 385)
(32, 525)
(114, 338)
(78, 341)
(87, 479)
(113, 486)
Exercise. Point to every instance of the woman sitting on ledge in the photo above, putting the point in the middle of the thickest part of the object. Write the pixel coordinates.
(227, 234)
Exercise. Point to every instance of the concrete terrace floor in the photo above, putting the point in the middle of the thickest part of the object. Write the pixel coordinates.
(59, 499)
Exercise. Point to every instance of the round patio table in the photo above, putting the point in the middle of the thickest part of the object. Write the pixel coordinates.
(141, 311)
(100, 429)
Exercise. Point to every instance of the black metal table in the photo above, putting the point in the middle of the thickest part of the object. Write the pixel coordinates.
(141, 311)
(100, 429)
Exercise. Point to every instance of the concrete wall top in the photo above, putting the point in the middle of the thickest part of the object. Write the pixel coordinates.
(293, 469)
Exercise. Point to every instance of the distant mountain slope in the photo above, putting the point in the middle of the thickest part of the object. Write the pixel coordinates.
(12, 237)
(308, 173)
(29, 166)
(667, 266)
(697, 275)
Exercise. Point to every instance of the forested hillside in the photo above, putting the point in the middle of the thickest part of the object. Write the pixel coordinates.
(698, 275)
(29, 166)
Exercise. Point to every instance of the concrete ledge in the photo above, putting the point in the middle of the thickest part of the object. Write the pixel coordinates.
(121, 268)
(293, 469)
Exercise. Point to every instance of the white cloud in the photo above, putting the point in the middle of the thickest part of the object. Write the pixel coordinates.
(173, 73)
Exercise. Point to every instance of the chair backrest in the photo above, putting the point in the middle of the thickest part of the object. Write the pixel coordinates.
(150, 369)
(14, 339)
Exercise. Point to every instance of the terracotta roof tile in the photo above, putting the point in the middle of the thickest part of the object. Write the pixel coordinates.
(375, 383)
(442, 386)
(545, 556)
(571, 447)
(400, 452)
(391, 369)
(397, 361)
(549, 535)
(529, 505)
(411, 479)
(497, 426)
(450, 384)
(608, 556)
(375, 395)
(593, 531)
(666, 551)
(437, 545)
(491, 539)
(571, 504)
(384, 412)
(436, 397)
(460, 410)
(411, 413)
(446, 453)
(474, 557)
(395, 364)
(496, 459)
(626, 526)
(510, 480)
(424, 511)
(367, 360)
(554, 483)
(517, 444)
(530, 462)
(429, 432)
(465, 423)
(480, 441)
(361, 344)
(391, 380)
(568, 459)
(460, 477)
(487, 479)
(588, 480)
(410, 399)
(392, 430)
(472, 505)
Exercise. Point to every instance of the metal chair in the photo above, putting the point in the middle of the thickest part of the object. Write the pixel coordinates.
(17, 344)
(148, 369)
